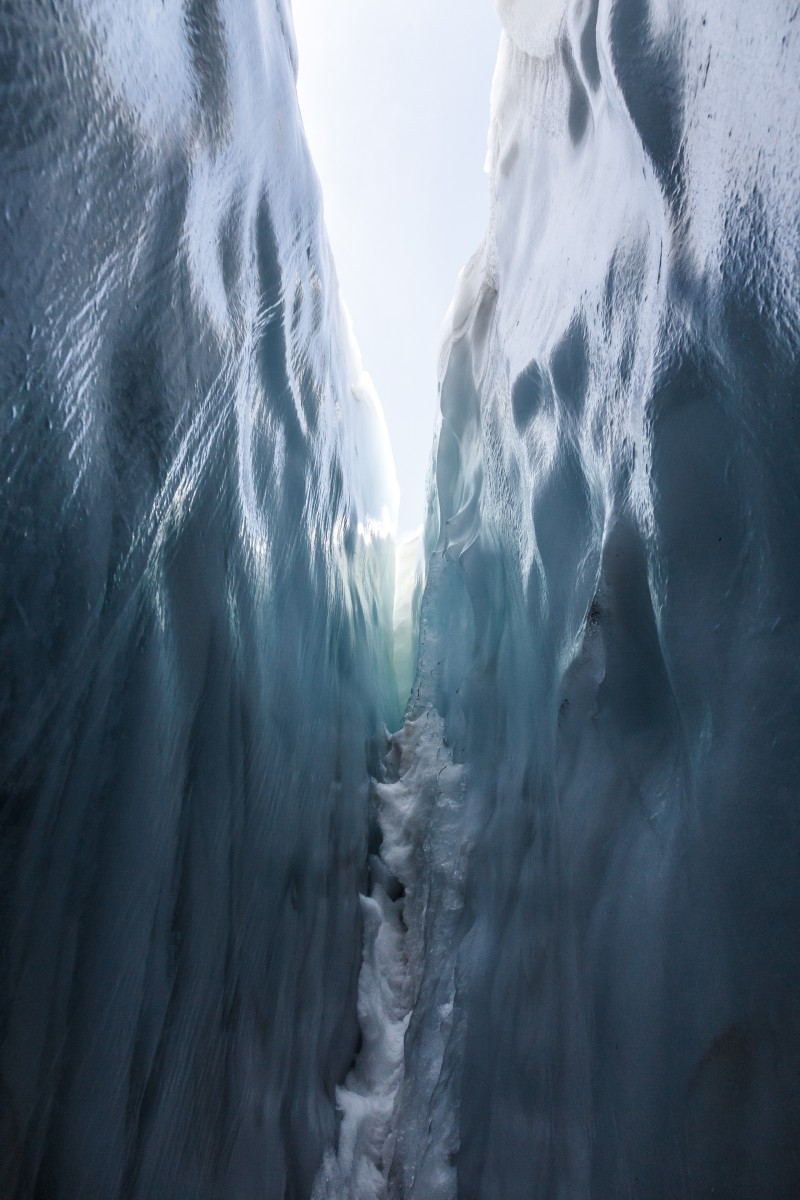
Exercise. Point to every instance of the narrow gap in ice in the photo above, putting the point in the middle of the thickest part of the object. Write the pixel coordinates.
(391, 972)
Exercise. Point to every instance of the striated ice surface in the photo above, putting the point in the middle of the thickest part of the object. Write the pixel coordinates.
(409, 582)
(607, 1005)
(195, 611)
(532, 25)
(542, 941)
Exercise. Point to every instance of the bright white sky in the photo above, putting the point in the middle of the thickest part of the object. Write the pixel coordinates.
(395, 103)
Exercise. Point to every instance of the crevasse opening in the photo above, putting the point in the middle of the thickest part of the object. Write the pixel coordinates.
(590, 538)
(397, 130)
(541, 940)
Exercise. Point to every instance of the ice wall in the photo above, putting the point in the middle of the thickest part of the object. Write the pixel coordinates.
(195, 611)
(608, 1000)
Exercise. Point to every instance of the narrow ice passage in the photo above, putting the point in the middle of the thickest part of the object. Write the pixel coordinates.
(391, 970)
(543, 943)
(589, 806)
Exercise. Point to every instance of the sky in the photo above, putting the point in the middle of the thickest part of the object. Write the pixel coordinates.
(394, 96)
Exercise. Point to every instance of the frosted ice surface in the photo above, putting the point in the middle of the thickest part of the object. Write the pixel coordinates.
(378, 1101)
(532, 24)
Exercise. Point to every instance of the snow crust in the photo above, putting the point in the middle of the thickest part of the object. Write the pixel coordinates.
(408, 884)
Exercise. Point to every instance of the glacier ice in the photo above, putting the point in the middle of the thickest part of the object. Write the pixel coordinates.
(197, 590)
(609, 632)
(533, 25)
(542, 940)
(409, 584)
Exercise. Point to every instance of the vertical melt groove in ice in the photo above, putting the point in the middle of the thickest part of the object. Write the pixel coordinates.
(409, 585)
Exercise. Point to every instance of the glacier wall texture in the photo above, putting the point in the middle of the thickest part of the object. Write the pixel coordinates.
(608, 1001)
(195, 611)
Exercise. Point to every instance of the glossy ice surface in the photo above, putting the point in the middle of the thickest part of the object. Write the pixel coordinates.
(610, 628)
(195, 611)
(573, 970)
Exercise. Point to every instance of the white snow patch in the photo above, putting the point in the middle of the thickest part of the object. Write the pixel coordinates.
(390, 972)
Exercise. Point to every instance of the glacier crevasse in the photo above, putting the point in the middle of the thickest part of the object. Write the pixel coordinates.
(580, 960)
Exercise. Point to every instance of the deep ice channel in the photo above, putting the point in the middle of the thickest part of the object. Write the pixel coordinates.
(542, 941)
(597, 777)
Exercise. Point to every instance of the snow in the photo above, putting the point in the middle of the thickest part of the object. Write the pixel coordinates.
(532, 24)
